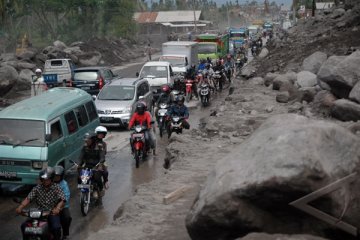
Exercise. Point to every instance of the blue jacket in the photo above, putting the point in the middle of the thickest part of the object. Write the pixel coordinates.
(179, 111)
(65, 187)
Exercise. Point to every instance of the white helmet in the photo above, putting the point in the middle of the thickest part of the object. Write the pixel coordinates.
(101, 129)
(38, 70)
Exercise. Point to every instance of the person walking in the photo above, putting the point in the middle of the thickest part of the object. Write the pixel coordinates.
(148, 51)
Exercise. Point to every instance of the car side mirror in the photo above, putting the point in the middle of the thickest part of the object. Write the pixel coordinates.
(48, 137)
(141, 97)
(137, 74)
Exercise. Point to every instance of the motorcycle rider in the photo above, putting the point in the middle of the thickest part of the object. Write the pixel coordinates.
(191, 74)
(92, 153)
(143, 118)
(65, 217)
(229, 66)
(202, 65)
(179, 109)
(164, 97)
(221, 69)
(48, 196)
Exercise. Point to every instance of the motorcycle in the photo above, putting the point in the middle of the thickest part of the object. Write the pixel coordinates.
(228, 72)
(37, 226)
(138, 144)
(254, 50)
(217, 80)
(174, 125)
(238, 65)
(89, 189)
(161, 117)
(205, 94)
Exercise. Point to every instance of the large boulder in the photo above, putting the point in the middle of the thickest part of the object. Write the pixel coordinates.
(265, 236)
(281, 82)
(89, 58)
(355, 93)
(24, 80)
(27, 54)
(8, 78)
(264, 52)
(59, 44)
(306, 79)
(287, 157)
(248, 71)
(269, 78)
(314, 62)
(24, 65)
(345, 110)
(326, 71)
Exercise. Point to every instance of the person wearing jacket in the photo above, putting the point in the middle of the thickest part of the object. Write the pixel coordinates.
(179, 109)
(143, 118)
(65, 216)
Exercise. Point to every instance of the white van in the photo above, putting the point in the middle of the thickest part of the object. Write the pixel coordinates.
(157, 74)
(58, 71)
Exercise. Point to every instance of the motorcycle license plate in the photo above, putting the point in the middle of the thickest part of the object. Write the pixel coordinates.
(204, 92)
(176, 125)
(33, 230)
(83, 185)
(137, 135)
(162, 112)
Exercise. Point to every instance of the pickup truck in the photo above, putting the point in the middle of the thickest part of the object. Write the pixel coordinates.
(58, 71)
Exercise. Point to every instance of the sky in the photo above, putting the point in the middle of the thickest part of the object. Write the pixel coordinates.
(219, 2)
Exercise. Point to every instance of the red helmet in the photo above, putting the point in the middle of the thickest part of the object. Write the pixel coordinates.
(165, 88)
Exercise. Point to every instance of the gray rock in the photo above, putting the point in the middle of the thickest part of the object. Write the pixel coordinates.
(295, 108)
(256, 81)
(287, 157)
(291, 76)
(281, 82)
(306, 79)
(269, 78)
(269, 109)
(59, 44)
(24, 80)
(266, 236)
(323, 85)
(90, 58)
(355, 93)
(326, 71)
(314, 62)
(248, 71)
(73, 50)
(307, 94)
(8, 78)
(282, 97)
(27, 55)
(264, 52)
(25, 65)
(345, 110)
(338, 13)
(7, 57)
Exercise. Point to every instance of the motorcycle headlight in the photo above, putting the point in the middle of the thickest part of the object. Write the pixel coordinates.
(84, 179)
(35, 214)
(138, 129)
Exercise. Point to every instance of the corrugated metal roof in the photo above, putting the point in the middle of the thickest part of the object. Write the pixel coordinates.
(177, 16)
(145, 17)
(324, 5)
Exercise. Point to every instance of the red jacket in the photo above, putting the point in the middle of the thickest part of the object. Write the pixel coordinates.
(141, 119)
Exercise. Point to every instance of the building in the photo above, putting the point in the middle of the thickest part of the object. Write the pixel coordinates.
(165, 22)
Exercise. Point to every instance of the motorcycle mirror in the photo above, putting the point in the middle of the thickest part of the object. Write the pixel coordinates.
(16, 200)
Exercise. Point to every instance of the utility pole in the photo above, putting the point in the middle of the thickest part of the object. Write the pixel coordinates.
(294, 12)
(313, 8)
(195, 28)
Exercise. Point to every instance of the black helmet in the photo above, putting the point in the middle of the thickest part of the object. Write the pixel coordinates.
(47, 173)
(59, 171)
(193, 66)
(140, 108)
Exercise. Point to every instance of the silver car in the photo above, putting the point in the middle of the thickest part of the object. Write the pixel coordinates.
(116, 101)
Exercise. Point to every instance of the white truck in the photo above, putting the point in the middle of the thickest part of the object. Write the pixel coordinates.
(180, 54)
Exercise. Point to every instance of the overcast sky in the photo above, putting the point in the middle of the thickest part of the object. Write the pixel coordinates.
(286, 2)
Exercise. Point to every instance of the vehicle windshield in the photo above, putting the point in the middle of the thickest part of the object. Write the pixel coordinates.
(22, 133)
(88, 76)
(154, 71)
(238, 35)
(207, 48)
(112, 92)
(174, 61)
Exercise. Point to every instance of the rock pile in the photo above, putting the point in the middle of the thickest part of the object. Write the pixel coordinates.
(16, 70)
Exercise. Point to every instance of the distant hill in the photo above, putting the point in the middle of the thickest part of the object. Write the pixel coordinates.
(286, 2)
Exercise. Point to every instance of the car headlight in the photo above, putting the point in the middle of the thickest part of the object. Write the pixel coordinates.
(128, 109)
(37, 165)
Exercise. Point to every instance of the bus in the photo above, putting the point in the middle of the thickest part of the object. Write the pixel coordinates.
(237, 38)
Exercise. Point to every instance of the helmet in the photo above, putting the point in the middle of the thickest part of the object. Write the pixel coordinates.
(228, 56)
(193, 66)
(47, 173)
(88, 136)
(38, 70)
(165, 88)
(59, 171)
(140, 108)
(101, 129)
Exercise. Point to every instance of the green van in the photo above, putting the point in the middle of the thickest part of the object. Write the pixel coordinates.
(45, 130)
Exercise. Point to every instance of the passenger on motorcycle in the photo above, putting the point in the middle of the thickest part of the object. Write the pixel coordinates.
(221, 69)
(48, 196)
(65, 216)
(205, 80)
(229, 66)
(179, 109)
(202, 65)
(92, 153)
(191, 74)
(143, 118)
(163, 98)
